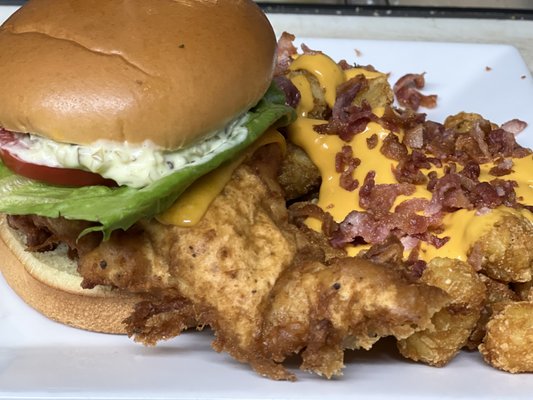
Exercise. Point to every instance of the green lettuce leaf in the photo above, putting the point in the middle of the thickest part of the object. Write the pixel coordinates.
(120, 208)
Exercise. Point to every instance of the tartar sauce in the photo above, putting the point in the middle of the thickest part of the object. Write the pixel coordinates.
(127, 164)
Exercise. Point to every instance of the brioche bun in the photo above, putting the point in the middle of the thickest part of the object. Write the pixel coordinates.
(170, 71)
(48, 282)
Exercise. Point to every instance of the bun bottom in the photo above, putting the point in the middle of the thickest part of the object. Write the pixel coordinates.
(48, 283)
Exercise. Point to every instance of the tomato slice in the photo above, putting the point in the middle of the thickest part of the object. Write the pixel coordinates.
(53, 175)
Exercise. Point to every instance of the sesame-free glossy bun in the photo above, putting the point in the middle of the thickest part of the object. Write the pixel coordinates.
(169, 71)
(48, 283)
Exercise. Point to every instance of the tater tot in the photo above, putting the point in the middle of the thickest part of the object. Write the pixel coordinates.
(506, 251)
(453, 324)
(379, 93)
(524, 290)
(508, 344)
(298, 175)
(496, 292)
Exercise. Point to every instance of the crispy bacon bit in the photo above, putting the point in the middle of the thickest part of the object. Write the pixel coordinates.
(463, 190)
(503, 166)
(373, 229)
(515, 126)
(471, 170)
(474, 143)
(359, 225)
(506, 193)
(470, 141)
(388, 252)
(486, 195)
(378, 199)
(372, 141)
(344, 65)
(406, 90)
(417, 269)
(345, 164)
(300, 211)
(348, 119)
(307, 50)
(448, 194)
(434, 240)
(285, 51)
(414, 137)
(502, 143)
(395, 119)
(408, 169)
(392, 148)
(346, 93)
(292, 94)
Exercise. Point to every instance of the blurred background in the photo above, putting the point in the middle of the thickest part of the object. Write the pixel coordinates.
(515, 9)
(517, 4)
(507, 22)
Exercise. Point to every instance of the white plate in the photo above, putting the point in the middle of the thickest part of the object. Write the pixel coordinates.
(42, 359)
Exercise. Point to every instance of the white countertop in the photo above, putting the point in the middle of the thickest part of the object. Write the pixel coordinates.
(517, 33)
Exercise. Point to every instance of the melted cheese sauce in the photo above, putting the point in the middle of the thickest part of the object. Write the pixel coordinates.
(463, 227)
(191, 206)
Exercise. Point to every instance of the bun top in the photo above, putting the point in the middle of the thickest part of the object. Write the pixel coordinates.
(169, 71)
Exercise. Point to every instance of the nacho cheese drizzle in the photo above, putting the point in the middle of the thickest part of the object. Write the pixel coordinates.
(463, 227)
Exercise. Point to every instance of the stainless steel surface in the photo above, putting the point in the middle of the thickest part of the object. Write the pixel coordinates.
(312, 2)
(320, 2)
(500, 4)
(506, 4)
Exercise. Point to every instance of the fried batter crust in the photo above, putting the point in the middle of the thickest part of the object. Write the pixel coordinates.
(350, 303)
(229, 261)
(255, 280)
(264, 286)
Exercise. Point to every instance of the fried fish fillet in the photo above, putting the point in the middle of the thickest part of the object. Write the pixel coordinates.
(350, 303)
(258, 282)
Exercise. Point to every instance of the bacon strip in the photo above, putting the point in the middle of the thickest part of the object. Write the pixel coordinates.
(407, 92)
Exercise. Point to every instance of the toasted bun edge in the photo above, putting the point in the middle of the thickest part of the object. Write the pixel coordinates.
(170, 72)
(94, 310)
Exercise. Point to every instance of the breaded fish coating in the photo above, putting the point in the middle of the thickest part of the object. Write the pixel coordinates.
(351, 303)
(257, 282)
(453, 324)
(225, 265)
(508, 343)
(505, 251)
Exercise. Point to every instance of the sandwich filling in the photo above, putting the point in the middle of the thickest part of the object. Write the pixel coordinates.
(133, 165)
(120, 207)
